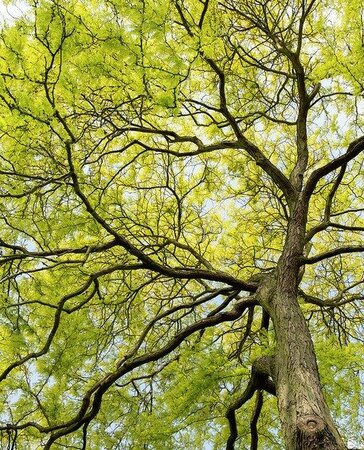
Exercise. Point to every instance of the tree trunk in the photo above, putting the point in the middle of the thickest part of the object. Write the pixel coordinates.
(306, 421)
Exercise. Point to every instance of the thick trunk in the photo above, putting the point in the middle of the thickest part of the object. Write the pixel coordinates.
(306, 421)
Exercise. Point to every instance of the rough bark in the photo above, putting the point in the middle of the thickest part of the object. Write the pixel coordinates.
(306, 421)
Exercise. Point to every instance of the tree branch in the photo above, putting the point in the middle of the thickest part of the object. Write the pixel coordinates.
(261, 160)
(331, 253)
(254, 420)
(90, 408)
(259, 379)
(149, 263)
(354, 149)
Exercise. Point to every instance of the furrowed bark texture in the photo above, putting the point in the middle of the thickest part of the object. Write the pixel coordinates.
(306, 421)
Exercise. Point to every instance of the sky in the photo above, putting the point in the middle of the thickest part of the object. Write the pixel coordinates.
(10, 12)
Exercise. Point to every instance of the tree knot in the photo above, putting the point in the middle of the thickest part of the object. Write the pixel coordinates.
(310, 424)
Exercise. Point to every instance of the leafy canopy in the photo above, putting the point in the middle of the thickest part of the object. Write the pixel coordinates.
(143, 156)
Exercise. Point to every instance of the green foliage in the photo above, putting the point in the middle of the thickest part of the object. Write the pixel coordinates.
(113, 129)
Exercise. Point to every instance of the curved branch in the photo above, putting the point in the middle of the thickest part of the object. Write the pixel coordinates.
(331, 253)
(61, 308)
(335, 187)
(93, 398)
(149, 263)
(254, 420)
(52, 333)
(339, 300)
(323, 226)
(259, 379)
(25, 253)
(354, 149)
(256, 153)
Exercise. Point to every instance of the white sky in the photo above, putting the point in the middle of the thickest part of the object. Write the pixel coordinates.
(11, 12)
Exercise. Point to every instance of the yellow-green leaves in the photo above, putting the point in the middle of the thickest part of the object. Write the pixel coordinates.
(146, 149)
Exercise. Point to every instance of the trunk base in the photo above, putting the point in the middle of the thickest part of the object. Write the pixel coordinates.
(313, 434)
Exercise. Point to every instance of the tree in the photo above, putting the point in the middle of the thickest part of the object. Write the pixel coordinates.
(181, 224)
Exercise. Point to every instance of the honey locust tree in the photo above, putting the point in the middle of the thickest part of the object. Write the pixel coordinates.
(181, 214)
